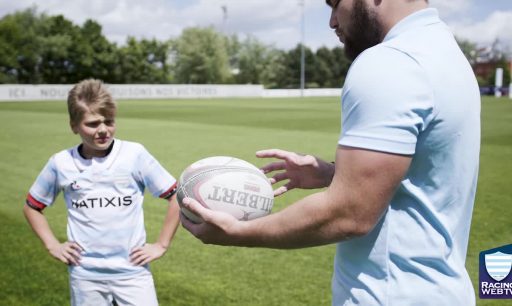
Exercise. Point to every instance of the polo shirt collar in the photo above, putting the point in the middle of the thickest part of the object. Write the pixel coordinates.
(417, 19)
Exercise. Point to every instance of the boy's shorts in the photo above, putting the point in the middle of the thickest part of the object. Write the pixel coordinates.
(138, 290)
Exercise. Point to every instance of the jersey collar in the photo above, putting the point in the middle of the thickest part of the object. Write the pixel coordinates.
(99, 163)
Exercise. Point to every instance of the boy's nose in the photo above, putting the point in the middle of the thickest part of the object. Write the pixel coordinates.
(102, 128)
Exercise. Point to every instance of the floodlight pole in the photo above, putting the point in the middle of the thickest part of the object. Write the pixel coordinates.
(224, 18)
(302, 55)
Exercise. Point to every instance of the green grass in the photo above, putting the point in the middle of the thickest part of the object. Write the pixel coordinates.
(178, 132)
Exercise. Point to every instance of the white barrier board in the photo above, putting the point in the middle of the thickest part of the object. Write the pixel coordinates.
(136, 91)
(60, 92)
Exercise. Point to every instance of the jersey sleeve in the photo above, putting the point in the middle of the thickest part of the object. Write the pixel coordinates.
(159, 181)
(384, 108)
(45, 189)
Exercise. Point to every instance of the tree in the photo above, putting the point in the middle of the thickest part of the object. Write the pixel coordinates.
(323, 68)
(19, 47)
(95, 55)
(58, 37)
(233, 47)
(469, 49)
(340, 66)
(143, 62)
(35, 48)
(291, 77)
(253, 60)
(200, 57)
(273, 75)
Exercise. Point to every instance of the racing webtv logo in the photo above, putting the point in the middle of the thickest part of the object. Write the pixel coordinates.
(495, 276)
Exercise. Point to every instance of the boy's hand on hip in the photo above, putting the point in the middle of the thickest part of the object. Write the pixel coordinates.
(147, 253)
(67, 252)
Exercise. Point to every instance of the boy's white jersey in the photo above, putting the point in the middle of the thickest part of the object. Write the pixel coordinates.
(104, 198)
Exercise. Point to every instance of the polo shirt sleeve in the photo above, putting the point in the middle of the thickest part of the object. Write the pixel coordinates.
(45, 189)
(158, 180)
(384, 108)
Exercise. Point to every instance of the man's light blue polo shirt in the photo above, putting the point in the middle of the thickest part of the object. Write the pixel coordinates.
(414, 94)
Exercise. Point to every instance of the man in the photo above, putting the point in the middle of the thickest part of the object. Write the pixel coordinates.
(400, 194)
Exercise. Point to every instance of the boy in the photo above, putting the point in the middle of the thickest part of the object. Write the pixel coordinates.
(103, 181)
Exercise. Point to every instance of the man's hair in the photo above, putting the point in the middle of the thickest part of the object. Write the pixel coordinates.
(90, 95)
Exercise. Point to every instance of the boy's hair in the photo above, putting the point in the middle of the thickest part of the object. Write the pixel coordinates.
(90, 95)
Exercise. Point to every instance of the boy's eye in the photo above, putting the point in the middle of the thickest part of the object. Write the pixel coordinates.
(95, 124)
(92, 124)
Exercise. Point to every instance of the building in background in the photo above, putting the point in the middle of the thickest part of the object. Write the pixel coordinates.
(485, 61)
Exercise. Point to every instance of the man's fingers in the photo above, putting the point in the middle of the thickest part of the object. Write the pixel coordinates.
(196, 208)
(273, 167)
(279, 191)
(276, 153)
(279, 177)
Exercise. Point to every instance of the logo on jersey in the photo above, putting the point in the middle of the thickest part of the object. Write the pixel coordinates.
(495, 276)
(102, 202)
(75, 186)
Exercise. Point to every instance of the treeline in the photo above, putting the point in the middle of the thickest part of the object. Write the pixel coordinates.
(39, 49)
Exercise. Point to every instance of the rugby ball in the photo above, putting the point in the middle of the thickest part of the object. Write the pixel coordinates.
(226, 184)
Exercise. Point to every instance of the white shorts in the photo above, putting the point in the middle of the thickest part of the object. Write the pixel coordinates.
(138, 290)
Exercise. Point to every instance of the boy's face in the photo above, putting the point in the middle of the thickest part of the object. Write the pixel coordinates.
(97, 133)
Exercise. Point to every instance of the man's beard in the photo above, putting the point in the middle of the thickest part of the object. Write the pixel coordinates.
(364, 32)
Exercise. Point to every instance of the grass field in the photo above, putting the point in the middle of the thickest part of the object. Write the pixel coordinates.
(178, 132)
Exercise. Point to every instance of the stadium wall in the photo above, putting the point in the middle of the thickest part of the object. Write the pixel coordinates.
(313, 92)
(140, 91)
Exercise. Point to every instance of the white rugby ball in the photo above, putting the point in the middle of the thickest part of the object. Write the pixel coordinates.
(227, 184)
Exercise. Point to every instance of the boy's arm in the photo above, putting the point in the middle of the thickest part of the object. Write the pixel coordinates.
(67, 252)
(149, 252)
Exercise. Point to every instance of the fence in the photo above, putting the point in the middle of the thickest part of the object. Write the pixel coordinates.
(140, 91)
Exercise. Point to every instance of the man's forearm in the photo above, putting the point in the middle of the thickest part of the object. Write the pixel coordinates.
(312, 221)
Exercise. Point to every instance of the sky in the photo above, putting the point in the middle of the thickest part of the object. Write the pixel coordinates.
(274, 22)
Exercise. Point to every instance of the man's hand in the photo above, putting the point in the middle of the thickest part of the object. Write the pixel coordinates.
(302, 171)
(147, 253)
(67, 252)
(217, 227)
